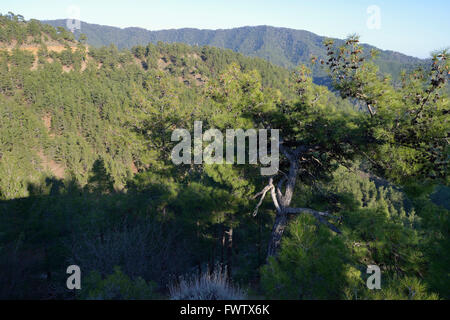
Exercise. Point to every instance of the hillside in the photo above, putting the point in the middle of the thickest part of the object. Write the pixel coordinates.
(32, 56)
(87, 178)
(282, 46)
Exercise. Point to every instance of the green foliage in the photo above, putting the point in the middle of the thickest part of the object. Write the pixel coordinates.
(86, 175)
(381, 226)
(402, 289)
(117, 286)
(15, 28)
(313, 264)
(406, 130)
(284, 47)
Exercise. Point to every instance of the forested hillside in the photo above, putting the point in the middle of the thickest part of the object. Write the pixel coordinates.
(284, 47)
(86, 175)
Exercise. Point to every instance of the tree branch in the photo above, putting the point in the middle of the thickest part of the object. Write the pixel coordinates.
(318, 214)
(274, 197)
(270, 187)
(263, 195)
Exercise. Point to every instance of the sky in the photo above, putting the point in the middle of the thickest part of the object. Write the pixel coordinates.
(412, 27)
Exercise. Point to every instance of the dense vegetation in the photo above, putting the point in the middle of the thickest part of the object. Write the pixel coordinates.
(86, 176)
(284, 47)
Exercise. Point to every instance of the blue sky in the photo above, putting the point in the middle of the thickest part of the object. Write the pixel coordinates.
(412, 27)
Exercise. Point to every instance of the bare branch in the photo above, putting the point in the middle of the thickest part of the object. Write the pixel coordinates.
(328, 224)
(274, 197)
(263, 195)
(263, 192)
(270, 187)
(318, 214)
(303, 210)
(371, 111)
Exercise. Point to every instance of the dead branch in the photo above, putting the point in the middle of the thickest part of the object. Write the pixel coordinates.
(263, 195)
(317, 214)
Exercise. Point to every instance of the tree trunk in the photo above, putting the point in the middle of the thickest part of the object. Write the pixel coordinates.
(281, 221)
(281, 202)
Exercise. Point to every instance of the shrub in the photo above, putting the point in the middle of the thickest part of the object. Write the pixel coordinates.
(207, 286)
(117, 286)
(148, 249)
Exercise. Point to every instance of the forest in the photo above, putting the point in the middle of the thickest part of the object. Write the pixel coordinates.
(86, 176)
(282, 46)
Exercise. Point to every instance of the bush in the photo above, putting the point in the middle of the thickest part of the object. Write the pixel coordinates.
(117, 286)
(146, 249)
(214, 286)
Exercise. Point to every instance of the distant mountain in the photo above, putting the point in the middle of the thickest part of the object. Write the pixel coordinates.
(282, 46)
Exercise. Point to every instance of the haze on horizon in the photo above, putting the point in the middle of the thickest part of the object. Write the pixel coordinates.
(412, 27)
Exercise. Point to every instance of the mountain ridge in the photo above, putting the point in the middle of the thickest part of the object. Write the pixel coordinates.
(61, 22)
(285, 47)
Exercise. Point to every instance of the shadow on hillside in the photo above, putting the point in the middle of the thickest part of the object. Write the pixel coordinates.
(95, 227)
